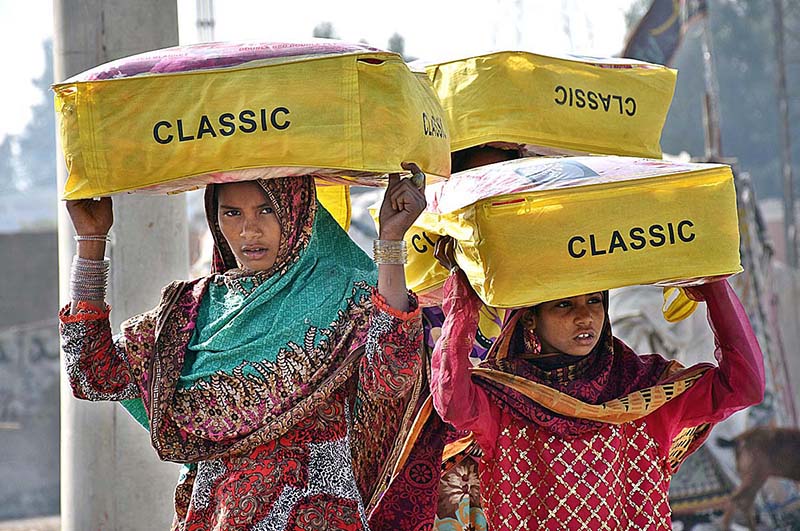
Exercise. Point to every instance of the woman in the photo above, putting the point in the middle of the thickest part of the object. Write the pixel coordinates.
(577, 431)
(283, 378)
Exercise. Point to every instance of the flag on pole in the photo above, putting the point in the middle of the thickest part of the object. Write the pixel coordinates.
(660, 32)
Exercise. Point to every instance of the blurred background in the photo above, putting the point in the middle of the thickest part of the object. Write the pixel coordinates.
(737, 101)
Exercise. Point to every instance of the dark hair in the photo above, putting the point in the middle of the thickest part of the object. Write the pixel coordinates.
(460, 160)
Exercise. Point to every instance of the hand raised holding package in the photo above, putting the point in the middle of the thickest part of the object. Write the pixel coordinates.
(402, 204)
(90, 217)
(445, 253)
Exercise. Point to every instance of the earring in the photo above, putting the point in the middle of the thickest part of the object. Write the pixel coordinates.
(532, 344)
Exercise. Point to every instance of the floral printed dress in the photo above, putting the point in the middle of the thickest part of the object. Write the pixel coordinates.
(319, 474)
(283, 392)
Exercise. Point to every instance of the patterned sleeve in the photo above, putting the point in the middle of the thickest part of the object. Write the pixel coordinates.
(390, 376)
(393, 350)
(96, 363)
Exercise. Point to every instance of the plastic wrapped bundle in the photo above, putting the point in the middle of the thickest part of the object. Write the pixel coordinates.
(538, 229)
(552, 105)
(176, 119)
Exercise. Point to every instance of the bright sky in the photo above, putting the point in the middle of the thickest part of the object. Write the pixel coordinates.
(431, 28)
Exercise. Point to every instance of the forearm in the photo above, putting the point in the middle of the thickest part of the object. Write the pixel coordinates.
(455, 396)
(403, 202)
(741, 362)
(95, 251)
(392, 286)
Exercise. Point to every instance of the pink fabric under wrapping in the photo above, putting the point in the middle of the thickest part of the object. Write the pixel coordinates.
(213, 55)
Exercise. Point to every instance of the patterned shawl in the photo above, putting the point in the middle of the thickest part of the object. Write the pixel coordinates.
(612, 384)
(241, 357)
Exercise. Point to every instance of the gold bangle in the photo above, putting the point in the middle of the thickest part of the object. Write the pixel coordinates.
(392, 252)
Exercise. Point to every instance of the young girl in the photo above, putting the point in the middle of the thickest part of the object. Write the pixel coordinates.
(577, 431)
(283, 378)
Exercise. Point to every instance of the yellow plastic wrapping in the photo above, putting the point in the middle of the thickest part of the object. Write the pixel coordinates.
(572, 105)
(336, 200)
(180, 118)
(677, 305)
(537, 229)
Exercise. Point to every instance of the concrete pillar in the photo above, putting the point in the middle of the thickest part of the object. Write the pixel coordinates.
(110, 476)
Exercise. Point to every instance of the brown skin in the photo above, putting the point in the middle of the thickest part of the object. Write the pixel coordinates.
(402, 204)
(90, 217)
(571, 326)
(249, 224)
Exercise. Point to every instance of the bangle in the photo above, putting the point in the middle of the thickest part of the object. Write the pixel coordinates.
(392, 252)
(88, 279)
(93, 238)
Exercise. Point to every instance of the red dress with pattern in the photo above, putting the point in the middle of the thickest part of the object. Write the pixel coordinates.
(615, 476)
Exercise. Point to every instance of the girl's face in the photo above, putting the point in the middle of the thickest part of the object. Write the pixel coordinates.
(248, 221)
(569, 326)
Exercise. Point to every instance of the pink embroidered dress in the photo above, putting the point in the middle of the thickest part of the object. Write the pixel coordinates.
(592, 446)
(283, 393)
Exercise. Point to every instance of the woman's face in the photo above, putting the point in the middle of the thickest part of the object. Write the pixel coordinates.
(248, 221)
(570, 326)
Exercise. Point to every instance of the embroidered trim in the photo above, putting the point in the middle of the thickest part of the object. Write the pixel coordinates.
(379, 301)
(86, 312)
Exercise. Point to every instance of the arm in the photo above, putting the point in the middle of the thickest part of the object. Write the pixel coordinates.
(390, 377)
(736, 383)
(393, 350)
(402, 205)
(92, 219)
(456, 397)
(96, 364)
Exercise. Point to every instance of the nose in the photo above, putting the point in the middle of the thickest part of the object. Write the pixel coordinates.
(583, 316)
(250, 229)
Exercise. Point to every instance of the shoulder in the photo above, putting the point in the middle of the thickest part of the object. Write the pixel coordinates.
(185, 293)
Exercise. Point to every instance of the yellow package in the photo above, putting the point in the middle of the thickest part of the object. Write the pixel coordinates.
(537, 229)
(555, 105)
(336, 200)
(179, 118)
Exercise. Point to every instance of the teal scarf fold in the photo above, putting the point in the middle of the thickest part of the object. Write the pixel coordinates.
(242, 321)
(250, 319)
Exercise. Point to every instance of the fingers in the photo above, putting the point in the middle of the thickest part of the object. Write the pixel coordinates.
(72, 205)
(444, 251)
(442, 244)
(417, 175)
(439, 248)
(405, 188)
(91, 216)
(407, 198)
(411, 166)
(394, 181)
(408, 193)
